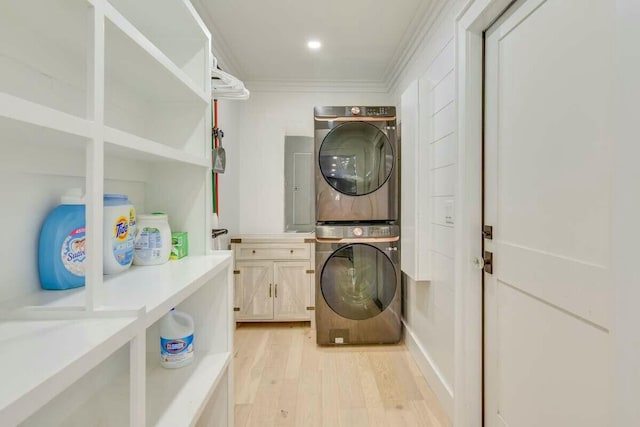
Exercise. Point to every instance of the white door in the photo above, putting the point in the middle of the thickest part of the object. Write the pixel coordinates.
(547, 195)
(292, 290)
(254, 282)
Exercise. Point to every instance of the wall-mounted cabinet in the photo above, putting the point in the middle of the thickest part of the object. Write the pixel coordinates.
(274, 278)
(111, 97)
(416, 187)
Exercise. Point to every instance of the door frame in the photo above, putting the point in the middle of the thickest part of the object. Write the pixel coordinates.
(471, 22)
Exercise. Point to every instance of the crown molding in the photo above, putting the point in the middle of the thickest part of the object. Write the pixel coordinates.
(316, 86)
(401, 61)
(416, 33)
(226, 60)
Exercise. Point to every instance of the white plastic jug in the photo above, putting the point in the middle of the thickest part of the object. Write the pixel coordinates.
(176, 339)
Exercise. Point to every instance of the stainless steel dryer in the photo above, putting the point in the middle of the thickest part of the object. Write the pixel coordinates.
(358, 292)
(356, 171)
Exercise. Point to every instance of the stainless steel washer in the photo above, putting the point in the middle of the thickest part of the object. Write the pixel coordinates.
(356, 164)
(358, 292)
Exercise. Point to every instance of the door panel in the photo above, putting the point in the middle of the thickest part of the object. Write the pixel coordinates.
(549, 364)
(547, 192)
(293, 286)
(255, 283)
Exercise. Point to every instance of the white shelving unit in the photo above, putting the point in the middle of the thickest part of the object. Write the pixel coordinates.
(109, 96)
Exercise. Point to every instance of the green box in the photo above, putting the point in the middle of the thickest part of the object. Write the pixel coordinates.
(179, 245)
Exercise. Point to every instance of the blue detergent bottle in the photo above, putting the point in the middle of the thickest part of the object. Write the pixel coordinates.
(61, 249)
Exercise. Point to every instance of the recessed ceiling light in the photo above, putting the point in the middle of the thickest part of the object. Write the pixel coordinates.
(314, 44)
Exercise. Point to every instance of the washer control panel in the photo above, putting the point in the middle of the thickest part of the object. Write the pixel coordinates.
(357, 231)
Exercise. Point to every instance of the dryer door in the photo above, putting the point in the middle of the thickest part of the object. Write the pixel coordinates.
(356, 158)
(358, 281)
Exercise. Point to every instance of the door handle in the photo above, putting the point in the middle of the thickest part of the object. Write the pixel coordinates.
(276, 290)
(488, 262)
(391, 248)
(269, 290)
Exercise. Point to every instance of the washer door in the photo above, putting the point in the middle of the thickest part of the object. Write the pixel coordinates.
(356, 158)
(358, 281)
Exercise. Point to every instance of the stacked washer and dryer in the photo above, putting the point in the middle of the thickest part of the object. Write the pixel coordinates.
(358, 288)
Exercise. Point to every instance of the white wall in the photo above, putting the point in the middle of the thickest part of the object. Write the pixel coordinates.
(230, 121)
(429, 308)
(626, 215)
(263, 122)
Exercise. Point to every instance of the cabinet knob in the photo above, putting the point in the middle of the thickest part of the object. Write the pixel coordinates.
(253, 251)
(291, 251)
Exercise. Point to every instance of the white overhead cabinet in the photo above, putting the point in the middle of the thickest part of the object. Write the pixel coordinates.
(415, 184)
(112, 97)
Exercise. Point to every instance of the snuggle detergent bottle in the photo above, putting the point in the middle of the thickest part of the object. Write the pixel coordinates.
(61, 249)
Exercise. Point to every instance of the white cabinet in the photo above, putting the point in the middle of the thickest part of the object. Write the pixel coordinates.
(274, 279)
(112, 97)
(416, 188)
(292, 290)
(254, 290)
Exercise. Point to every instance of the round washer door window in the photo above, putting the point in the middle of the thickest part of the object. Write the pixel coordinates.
(358, 281)
(356, 158)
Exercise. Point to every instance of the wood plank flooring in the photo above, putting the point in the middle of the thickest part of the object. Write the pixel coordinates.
(282, 378)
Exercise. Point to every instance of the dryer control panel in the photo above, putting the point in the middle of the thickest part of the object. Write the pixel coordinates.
(387, 112)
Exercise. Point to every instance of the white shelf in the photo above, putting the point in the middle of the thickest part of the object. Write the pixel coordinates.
(173, 395)
(41, 358)
(158, 288)
(161, 287)
(123, 107)
(132, 58)
(120, 143)
(176, 395)
(24, 120)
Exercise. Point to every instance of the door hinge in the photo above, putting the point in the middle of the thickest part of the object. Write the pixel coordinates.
(487, 232)
(236, 308)
(310, 271)
(488, 262)
(310, 308)
(236, 271)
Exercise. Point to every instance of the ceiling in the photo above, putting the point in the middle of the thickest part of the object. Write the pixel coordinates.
(364, 42)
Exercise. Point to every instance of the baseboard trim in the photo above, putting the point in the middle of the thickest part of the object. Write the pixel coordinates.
(432, 374)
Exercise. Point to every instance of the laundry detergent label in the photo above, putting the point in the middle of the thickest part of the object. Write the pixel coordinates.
(122, 241)
(73, 252)
(176, 350)
(148, 244)
(132, 220)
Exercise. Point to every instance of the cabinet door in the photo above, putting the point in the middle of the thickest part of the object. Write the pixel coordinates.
(292, 291)
(255, 290)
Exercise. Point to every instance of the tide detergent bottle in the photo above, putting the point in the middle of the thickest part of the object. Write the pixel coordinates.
(61, 248)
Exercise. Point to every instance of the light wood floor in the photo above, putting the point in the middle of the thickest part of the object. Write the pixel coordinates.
(282, 378)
